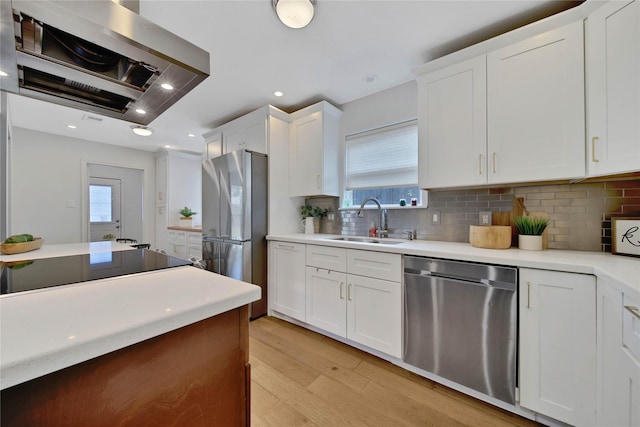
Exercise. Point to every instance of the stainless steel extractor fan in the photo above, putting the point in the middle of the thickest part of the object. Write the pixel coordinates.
(96, 56)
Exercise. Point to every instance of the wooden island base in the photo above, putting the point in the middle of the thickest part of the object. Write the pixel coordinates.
(198, 375)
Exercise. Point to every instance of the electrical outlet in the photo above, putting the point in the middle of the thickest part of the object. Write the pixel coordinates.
(435, 217)
(484, 218)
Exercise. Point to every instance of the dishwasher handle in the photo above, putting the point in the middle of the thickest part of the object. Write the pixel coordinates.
(466, 280)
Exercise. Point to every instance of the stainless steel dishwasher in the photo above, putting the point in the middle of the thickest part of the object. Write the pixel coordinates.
(461, 322)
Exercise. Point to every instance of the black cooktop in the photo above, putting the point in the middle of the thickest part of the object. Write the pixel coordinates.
(48, 272)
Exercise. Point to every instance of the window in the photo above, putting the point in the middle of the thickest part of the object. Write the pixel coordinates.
(100, 203)
(383, 163)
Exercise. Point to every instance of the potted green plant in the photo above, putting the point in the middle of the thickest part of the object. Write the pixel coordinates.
(530, 231)
(185, 216)
(109, 236)
(309, 213)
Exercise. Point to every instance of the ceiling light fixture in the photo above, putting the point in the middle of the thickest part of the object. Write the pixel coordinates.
(3, 74)
(191, 135)
(166, 86)
(140, 111)
(71, 126)
(294, 13)
(141, 130)
(278, 93)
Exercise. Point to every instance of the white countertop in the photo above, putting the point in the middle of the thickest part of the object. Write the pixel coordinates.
(51, 251)
(621, 271)
(50, 329)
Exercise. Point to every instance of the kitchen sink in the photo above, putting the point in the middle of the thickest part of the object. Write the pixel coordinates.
(366, 240)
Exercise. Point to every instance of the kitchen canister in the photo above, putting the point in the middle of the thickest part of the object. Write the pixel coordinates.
(307, 223)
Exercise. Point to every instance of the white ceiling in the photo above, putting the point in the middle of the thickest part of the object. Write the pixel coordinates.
(253, 55)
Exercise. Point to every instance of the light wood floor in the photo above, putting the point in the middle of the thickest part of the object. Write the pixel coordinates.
(300, 378)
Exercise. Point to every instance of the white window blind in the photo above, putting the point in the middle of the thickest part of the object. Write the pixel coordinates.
(386, 157)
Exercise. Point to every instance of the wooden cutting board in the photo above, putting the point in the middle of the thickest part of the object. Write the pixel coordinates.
(508, 218)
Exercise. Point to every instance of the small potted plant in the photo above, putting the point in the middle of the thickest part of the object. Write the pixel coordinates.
(109, 236)
(309, 213)
(530, 232)
(185, 216)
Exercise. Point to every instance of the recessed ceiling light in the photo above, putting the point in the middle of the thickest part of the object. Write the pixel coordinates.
(3, 74)
(166, 86)
(278, 93)
(167, 146)
(141, 130)
(191, 135)
(140, 111)
(72, 127)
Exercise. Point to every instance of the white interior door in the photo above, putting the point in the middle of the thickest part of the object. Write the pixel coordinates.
(104, 208)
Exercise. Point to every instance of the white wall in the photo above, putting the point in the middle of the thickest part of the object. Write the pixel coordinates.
(185, 187)
(49, 178)
(395, 105)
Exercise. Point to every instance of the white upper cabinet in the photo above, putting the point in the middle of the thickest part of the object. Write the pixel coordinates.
(247, 132)
(613, 88)
(214, 145)
(313, 151)
(452, 128)
(512, 114)
(535, 93)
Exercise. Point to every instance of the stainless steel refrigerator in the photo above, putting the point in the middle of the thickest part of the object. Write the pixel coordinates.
(234, 219)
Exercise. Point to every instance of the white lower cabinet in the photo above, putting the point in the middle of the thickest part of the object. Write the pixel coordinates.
(374, 313)
(194, 245)
(178, 244)
(326, 300)
(618, 372)
(363, 309)
(287, 279)
(558, 345)
(185, 244)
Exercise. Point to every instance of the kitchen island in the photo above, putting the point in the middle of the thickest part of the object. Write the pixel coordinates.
(168, 345)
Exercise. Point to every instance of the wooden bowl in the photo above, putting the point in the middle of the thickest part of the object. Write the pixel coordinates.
(18, 248)
(490, 236)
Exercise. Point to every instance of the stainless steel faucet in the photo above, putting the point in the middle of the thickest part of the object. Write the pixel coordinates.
(381, 231)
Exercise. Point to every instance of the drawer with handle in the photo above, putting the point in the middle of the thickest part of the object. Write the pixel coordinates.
(326, 257)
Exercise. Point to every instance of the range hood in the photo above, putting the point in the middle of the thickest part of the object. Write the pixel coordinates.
(95, 56)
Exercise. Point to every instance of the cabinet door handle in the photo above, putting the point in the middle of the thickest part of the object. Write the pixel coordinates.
(480, 164)
(494, 162)
(349, 292)
(528, 294)
(341, 284)
(281, 246)
(318, 181)
(593, 149)
(633, 310)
